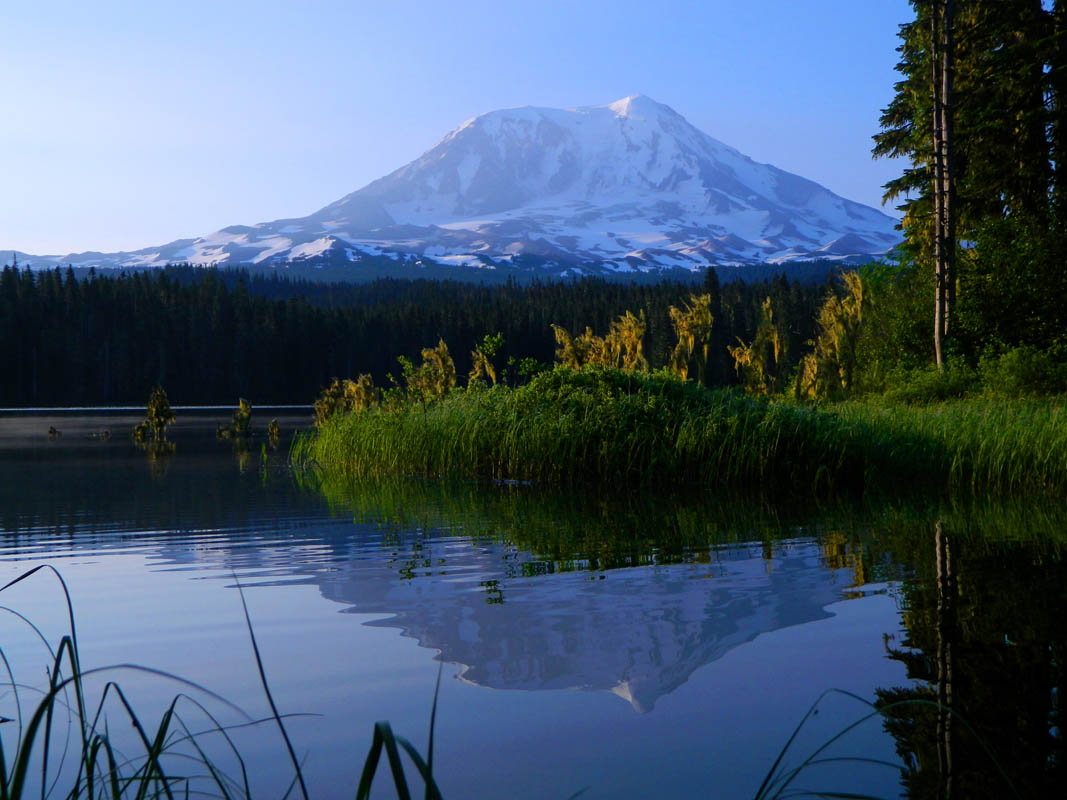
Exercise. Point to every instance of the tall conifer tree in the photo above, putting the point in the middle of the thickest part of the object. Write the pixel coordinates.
(984, 162)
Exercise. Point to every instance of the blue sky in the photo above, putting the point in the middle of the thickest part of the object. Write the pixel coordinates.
(134, 123)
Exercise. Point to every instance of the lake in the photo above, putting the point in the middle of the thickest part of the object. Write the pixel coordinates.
(626, 646)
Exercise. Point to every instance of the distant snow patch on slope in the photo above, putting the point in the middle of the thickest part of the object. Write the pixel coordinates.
(626, 185)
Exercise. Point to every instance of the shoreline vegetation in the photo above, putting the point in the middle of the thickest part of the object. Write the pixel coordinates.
(606, 427)
(602, 417)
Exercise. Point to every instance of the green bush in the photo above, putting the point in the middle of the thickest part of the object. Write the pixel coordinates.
(931, 385)
(1023, 371)
(896, 335)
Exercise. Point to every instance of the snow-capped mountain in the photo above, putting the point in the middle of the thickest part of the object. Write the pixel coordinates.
(630, 185)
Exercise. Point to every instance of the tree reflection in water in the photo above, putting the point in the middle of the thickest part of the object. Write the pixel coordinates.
(986, 622)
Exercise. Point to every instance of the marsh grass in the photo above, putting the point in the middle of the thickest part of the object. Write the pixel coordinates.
(779, 781)
(66, 737)
(76, 741)
(385, 739)
(980, 446)
(603, 427)
(597, 426)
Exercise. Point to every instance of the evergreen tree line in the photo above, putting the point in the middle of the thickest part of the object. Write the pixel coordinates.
(1002, 170)
(210, 337)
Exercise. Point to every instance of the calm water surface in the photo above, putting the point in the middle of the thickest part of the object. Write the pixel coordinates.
(637, 647)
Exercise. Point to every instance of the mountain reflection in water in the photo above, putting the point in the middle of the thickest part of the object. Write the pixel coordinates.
(639, 633)
(521, 590)
(639, 596)
(512, 618)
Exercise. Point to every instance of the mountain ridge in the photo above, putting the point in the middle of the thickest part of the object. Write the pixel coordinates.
(628, 186)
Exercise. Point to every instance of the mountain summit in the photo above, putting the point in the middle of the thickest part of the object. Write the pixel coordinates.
(630, 185)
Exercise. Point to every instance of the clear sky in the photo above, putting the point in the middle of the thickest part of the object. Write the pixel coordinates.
(130, 124)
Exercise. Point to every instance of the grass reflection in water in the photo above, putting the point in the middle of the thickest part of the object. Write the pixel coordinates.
(981, 590)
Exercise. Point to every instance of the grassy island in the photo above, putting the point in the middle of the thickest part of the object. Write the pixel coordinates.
(609, 427)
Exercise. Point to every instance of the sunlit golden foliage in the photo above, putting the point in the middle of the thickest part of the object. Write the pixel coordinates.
(758, 361)
(572, 352)
(482, 370)
(828, 372)
(361, 393)
(158, 415)
(622, 348)
(345, 395)
(242, 418)
(240, 427)
(692, 324)
(141, 431)
(628, 332)
(436, 376)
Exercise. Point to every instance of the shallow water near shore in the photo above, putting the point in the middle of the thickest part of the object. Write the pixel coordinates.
(632, 647)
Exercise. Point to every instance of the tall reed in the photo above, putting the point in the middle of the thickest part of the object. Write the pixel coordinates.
(66, 739)
(76, 741)
(607, 427)
(991, 446)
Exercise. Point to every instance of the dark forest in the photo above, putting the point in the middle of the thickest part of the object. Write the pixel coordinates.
(211, 336)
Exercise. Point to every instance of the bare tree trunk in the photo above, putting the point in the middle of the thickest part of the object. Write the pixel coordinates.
(948, 200)
(941, 47)
(936, 86)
